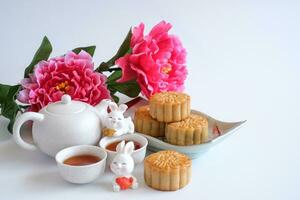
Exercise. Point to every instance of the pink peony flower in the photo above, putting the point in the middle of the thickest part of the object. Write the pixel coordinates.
(157, 60)
(71, 74)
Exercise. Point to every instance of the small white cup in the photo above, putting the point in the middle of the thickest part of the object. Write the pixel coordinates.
(85, 173)
(137, 155)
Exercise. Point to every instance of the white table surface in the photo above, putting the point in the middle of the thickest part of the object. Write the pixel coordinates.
(243, 61)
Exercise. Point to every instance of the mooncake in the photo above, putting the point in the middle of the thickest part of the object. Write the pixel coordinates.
(145, 124)
(192, 130)
(167, 170)
(170, 106)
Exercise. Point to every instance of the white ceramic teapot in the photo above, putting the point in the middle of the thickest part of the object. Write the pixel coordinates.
(62, 124)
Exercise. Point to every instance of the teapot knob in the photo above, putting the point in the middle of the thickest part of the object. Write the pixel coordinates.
(66, 99)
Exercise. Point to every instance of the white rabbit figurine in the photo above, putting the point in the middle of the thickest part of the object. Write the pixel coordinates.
(101, 109)
(115, 120)
(122, 166)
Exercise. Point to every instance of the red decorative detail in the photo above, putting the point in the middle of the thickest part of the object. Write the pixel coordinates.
(216, 130)
(133, 101)
(124, 182)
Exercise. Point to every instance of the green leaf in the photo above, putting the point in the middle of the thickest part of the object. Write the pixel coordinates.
(42, 53)
(116, 99)
(124, 49)
(3, 92)
(115, 76)
(112, 91)
(130, 88)
(9, 107)
(90, 50)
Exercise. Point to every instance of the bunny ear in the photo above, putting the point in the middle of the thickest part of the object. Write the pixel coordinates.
(113, 106)
(123, 108)
(129, 148)
(120, 146)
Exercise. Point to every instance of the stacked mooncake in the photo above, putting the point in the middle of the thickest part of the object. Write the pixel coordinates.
(144, 123)
(169, 115)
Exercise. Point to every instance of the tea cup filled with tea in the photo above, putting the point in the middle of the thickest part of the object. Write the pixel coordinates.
(109, 144)
(82, 163)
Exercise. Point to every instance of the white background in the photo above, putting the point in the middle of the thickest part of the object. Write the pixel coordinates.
(243, 62)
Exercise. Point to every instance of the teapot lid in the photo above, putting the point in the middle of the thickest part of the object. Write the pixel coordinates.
(66, 106)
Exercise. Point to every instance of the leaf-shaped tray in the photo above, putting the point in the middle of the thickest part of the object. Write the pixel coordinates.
(217, 130)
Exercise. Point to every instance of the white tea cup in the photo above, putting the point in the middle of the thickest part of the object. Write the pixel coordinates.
(81, 173)
(138, 155)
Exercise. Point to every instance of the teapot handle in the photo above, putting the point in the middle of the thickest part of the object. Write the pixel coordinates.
(17, 126)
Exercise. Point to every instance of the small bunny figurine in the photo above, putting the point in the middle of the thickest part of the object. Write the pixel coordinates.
(116, 122)
(122, 166)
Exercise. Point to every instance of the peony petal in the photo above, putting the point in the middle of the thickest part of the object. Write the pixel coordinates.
(76, 75)
(127, 72)
(162, 56)
(153, 47)
(159, 29)
(147, 62)
(140, 47)
(135, 58)
(23, 96)
(137, 34)
(142, 79)
(166, 45)
(146, 89)
(85, 55)
(56, 96)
